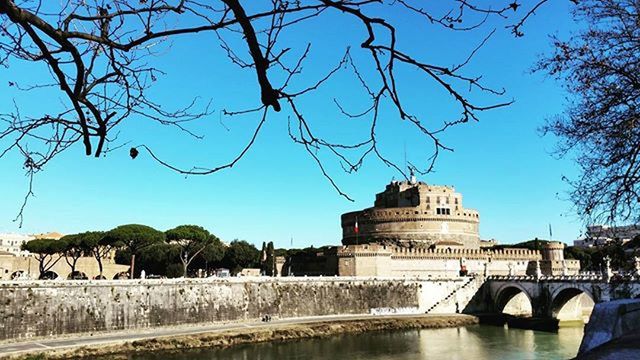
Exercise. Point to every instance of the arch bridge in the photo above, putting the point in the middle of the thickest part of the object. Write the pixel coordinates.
(547, 295)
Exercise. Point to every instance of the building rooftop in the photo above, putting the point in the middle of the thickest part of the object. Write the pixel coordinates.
(50, 235)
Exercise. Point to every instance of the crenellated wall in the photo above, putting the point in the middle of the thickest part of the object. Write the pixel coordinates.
(381, 260)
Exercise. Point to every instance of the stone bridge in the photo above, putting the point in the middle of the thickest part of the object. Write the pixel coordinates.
(548, 295)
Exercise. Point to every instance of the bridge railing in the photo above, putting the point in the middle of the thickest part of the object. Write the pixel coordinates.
(579, 277)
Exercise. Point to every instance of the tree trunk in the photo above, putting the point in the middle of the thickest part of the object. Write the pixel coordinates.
(184, 257)
(99, 260)
(41, 267)
(133, 263)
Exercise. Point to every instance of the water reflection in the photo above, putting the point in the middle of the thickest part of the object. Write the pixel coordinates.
(474, 342)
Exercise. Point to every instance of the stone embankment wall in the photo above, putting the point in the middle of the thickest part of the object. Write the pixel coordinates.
(610, 321)
(53, 308)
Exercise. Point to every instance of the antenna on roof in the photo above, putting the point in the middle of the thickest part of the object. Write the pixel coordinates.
(406, 163)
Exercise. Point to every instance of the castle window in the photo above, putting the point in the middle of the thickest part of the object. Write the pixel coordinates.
(447, 200)
(456, 200)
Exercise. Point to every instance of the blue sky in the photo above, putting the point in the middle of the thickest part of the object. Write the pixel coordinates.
(501, 165)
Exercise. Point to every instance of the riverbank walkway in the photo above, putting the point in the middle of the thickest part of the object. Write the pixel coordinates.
(11, 349)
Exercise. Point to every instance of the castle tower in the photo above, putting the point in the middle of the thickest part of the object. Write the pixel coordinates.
(413, 212)
(553, 251)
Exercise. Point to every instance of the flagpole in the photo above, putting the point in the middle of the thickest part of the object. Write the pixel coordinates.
(357, 231)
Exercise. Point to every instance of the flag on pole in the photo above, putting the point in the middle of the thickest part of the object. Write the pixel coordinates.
(355, 226)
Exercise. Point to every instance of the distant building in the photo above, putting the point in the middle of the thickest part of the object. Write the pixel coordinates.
(600, 235)
(50, 235)
(18, 264)
(11, 243)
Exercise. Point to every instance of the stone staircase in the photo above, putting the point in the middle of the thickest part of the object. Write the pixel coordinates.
(450, 295)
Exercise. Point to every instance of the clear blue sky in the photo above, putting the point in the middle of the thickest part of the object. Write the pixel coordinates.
(501, 165)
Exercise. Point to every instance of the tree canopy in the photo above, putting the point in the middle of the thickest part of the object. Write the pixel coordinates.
(599, 67)
(73, 248)
(44, 246)
(535, 244)
(193, 234)
(241, 254)
(160, 259)
(213, 253)
(47, 251)
(191, 240)
(92, 242)
(133, 237)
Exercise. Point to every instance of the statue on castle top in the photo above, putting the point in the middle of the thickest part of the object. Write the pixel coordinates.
(565, 269)
(607, 272)
(512, 270)
(412, 177)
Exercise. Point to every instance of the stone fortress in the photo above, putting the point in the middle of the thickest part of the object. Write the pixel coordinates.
(417, 229)
(412, 213)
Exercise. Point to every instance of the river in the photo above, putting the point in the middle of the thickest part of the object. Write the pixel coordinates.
(473, 342)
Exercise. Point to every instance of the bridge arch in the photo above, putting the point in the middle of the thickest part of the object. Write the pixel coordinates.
(121, 275)
(77, 275)
(49, 275)
(513, 299)
(571, 303)
(18, 274)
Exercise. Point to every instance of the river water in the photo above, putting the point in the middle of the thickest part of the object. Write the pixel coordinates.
(473, 342)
